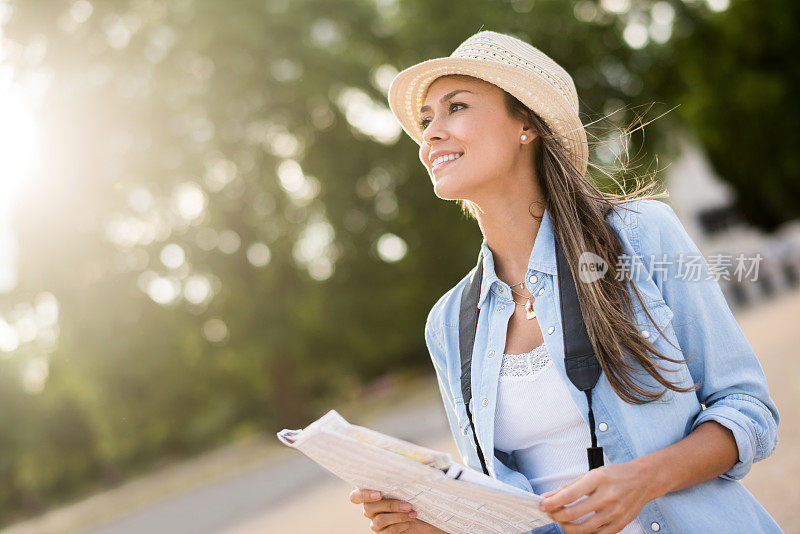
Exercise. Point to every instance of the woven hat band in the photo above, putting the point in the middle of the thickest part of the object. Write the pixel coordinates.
(523, 56)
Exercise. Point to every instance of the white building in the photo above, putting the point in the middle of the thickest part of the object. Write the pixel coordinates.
(705, 205)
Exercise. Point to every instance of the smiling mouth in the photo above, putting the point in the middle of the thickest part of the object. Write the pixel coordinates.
(440, 166)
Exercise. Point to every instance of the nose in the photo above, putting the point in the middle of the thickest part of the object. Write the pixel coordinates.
(432, 132)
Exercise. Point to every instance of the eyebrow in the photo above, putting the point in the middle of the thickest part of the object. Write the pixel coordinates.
(448, 96)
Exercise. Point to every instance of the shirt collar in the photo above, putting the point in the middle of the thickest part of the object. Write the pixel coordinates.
(542, 258)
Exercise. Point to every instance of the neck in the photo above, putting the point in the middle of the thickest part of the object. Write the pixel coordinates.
(510, 232)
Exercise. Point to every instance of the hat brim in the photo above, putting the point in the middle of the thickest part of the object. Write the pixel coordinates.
(407, 92)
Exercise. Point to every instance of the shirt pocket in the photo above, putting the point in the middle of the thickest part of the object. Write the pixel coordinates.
(666, 343)
(652, 301)
(661, 315)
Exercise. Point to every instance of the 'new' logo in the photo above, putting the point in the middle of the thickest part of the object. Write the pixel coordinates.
(591, 267)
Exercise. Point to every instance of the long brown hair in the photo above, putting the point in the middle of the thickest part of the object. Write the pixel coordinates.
(578, 211)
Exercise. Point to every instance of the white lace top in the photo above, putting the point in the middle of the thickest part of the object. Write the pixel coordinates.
(537, 419)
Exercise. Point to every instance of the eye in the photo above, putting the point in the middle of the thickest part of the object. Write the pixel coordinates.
(424, 122)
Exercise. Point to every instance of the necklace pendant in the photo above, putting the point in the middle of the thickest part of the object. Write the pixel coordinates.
(529, 313)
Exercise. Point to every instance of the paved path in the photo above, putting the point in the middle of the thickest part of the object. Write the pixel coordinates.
(225, 505)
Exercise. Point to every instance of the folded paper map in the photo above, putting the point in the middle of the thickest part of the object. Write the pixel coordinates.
(444, 493)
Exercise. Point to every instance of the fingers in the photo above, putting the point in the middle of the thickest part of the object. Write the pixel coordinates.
(612, 528)
(562, 486)
(395, 519)
(385, 506)
(579, 509)
(584, 485)
(359, 496)
(387, 516)
(590, 526)
(397, 528)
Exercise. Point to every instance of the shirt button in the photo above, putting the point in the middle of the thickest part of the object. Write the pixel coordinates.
(603, 427)
(485, 402)
(655, 527)
(533, 279)
(541, 290)
(502, 307)
(551, 329)
(645, 333)
(501, 290)
(491, 353)
(464, 431)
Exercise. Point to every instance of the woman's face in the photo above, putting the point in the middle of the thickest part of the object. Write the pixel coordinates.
(467, 116)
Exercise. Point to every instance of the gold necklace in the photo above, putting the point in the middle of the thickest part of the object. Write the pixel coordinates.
(528, 305)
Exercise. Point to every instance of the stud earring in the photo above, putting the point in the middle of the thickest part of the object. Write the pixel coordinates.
(523, 137)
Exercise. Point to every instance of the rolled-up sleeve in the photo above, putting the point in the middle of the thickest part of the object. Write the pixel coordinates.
(733, 387)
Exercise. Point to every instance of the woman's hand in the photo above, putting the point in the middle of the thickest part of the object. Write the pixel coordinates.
(616, 494)
(390, 516)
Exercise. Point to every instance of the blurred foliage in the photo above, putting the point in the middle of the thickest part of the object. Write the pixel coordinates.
(237, 234)
(738, 89)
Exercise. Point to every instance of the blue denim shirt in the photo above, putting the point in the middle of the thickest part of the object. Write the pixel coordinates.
(692, 314)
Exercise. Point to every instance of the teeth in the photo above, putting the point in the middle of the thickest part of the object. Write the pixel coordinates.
(448, 157)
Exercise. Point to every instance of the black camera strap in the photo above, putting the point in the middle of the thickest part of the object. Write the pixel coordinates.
(580, 361)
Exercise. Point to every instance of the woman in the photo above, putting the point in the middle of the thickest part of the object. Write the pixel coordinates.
(681, 408)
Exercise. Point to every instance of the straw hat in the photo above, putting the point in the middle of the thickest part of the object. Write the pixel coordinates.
(511, 64)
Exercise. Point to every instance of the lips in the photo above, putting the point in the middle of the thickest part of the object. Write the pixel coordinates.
(440, 166)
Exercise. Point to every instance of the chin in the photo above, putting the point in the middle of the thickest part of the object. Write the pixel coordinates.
(443, 188)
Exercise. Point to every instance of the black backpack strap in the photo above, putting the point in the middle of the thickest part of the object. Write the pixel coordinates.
(467, 327)
(580, 360)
